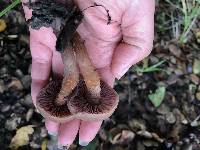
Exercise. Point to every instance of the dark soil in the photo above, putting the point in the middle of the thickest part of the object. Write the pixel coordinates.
(136, 124)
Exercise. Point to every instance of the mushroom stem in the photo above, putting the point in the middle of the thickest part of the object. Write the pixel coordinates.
(71, 75)
(90, 75)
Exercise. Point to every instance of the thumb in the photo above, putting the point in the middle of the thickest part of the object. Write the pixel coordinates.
(138, 34)
(125, 56)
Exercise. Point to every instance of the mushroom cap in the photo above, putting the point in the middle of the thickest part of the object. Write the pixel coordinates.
(86, 107)
(47, 106)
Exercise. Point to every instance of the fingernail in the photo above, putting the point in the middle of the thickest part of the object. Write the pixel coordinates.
(82, 143)
(121, 73)
(52, 133)
(119, 76)
(61, 147)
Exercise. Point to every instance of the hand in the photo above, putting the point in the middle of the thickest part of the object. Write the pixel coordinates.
(132, 22)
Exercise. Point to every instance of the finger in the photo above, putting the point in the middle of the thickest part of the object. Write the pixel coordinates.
(41, 66)
(44, 36)
(57, 68)
(138, 32)
(88, 131)
(106, 75)
(67, 133)
(52, 127)
(42, 42)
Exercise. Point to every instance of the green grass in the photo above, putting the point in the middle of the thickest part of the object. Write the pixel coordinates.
(191, 13)
(9, 7)
(146, 68)
(184, 20)
(177, 18)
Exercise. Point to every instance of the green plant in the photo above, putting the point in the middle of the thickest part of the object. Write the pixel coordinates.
(9, 7)
(191, 14)
(190, 11)
(158, 96)
(146, 68)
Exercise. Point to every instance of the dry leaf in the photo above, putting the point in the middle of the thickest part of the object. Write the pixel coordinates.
(22, 137)
(198, 96)
(196, 66)
(44, 144)
(175, 50)
(124, 137)
(2, 25)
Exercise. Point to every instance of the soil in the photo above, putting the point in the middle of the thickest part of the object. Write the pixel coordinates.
(136, 124)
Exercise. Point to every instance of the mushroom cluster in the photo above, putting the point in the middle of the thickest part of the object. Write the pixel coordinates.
(81, 94)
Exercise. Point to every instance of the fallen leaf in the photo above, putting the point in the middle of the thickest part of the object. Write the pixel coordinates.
(137, 124)
(196, 66)
(150, 143)
(145, 134)
(198, 96)
(124, 137)
(15, 84)
(157, 97)
(195, 79)
(2, 25)
(22, 137)
(44, 144)
(175, 50)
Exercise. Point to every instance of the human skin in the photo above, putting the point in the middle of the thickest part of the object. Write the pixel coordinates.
(112, 48)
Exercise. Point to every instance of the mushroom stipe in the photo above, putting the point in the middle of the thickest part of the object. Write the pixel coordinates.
(81, 94)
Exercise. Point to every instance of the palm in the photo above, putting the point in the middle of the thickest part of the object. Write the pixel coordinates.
(112, 49)
(100, 39)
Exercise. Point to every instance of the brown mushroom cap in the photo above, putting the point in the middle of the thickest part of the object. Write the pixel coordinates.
(47, 106)
(90, 108)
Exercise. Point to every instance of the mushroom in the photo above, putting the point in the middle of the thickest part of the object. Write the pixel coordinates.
(81, 93)
(95, 100)
(52, 99)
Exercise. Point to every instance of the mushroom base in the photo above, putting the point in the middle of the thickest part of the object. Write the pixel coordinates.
(85, 107)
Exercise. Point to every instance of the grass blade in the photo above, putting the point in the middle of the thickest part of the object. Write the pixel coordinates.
(7, 9)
